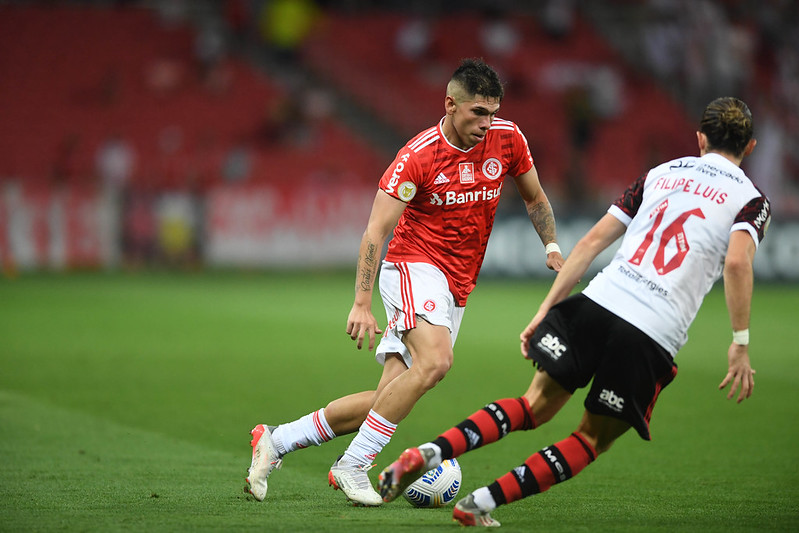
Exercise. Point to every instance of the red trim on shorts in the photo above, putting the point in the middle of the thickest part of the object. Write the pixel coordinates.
(658, 387)
(406, 289)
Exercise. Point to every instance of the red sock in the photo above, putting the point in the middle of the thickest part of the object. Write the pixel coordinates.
(487, 425)
(553, 464)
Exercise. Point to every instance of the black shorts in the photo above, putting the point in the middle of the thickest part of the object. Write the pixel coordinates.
(580, 340)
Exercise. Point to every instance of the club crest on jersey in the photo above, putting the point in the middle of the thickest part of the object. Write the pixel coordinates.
(406, 191)
(466, 171)
(492, 168)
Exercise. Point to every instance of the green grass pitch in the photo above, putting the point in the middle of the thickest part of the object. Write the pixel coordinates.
(126, 401)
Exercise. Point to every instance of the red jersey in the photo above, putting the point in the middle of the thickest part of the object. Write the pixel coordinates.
(452, 196)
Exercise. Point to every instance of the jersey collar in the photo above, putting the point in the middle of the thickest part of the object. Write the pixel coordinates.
(441, 131)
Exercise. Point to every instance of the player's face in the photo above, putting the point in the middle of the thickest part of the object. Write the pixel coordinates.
(469, 120)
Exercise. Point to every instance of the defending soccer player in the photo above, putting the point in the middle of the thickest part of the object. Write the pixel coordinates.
(685, 223)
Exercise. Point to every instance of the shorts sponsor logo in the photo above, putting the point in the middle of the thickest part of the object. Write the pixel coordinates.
(492, 168)
(406, 191)
(552, 345)
(612, 400)
(466, 171)
(393, 321)
(429, 306)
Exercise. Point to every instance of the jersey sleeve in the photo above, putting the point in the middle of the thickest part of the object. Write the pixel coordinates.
(522, 158)
(402, 178)
(754, 218)
(626, 206)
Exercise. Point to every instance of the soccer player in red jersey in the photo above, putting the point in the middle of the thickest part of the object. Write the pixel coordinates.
(439, 197)
(685, 223)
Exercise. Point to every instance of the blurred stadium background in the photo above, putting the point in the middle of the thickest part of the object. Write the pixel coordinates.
(251, 133)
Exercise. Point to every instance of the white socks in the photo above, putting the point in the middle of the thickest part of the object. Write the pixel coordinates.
(311, 429)
(374, 434)
(436, 459)
(484, 500)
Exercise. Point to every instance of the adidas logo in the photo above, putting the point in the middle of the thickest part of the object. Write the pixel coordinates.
(441, 178)
(520, 472)
(474, 438)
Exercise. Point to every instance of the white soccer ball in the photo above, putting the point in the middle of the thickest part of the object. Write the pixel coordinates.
(437, 487)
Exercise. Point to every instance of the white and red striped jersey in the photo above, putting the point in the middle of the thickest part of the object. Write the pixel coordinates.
(679, 217)
(452, 196)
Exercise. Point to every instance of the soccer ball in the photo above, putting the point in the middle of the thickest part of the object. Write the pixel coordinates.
(437, 487)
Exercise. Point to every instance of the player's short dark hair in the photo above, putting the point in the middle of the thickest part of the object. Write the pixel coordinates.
(476, 77)
(727, 123)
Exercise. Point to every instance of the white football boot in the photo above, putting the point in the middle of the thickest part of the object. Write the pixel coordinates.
(469, 514)
(353, 481)
(264, 459)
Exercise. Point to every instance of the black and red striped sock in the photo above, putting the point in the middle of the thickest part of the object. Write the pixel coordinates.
(553, 464)
(487, 425)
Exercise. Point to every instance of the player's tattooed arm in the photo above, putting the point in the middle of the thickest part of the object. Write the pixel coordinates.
(361, 324)
(367, 267)
(543, 220)
(385, 215)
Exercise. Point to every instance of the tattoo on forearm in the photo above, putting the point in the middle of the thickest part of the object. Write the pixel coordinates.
(367, 267)
(543, 221)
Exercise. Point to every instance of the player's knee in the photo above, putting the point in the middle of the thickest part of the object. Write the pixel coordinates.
(441, 369)
(601, 445)
(433, 371)
(601, 432)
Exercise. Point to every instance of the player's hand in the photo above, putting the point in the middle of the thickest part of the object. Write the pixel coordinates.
(360, 324)
(739, 373)
(528, 332)
(555, 261)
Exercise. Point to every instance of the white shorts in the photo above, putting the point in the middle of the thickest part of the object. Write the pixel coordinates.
(411, 290)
